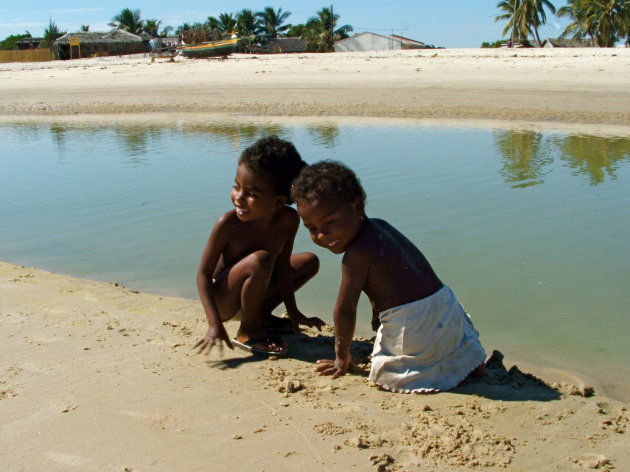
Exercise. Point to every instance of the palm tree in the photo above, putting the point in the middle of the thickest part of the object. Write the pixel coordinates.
(152, 27)
(183, 27)
(166, 31)
(581, 26)
(227, 22)
(523, 17)
(128, 20)
(320, 30)
(533, 12)
(212, 23)
(84, 28)
(514, 25)
(272, 22)
(247, 27)
(603, 21)
(51, 34)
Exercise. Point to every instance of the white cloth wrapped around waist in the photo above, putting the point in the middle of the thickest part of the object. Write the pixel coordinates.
(425, 346)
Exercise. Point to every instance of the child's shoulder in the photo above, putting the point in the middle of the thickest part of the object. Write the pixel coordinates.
(226, 220)
(372, 238)
(289, 213)
(383, 228)
(380, 224)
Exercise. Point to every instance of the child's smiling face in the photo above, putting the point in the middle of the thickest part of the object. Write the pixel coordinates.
(331, 223)
(253, 197)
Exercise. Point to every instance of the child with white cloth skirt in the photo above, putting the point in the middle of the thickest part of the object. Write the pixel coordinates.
(425, 340)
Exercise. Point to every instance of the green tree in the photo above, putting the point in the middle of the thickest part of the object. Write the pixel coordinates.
(581, 26)
(152, 27)
(84, 28)
(523, 17)
(227, 22)
(51, 34)
(321, 31)
(514, 24)
(181, 28)
(247, 27)
(297, 31)
(166, 31)
(213, 23)
(128, 20)
(533, 12)
(11, 42)
(494, 44)
(602, 21)
(272, 22)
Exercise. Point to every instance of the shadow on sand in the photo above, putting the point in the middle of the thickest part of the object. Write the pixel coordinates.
(498, 383)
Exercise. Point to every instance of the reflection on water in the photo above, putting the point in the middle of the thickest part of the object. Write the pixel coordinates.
(527, 155)
(239, 135)
(594, 156)
(325, 135)
(513, 220)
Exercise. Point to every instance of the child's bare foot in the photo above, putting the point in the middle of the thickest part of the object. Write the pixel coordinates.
(479, 371)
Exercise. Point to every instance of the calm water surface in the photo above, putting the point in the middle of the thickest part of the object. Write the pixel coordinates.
(531, 229)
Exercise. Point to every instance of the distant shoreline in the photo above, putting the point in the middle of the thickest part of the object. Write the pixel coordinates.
(572, 86)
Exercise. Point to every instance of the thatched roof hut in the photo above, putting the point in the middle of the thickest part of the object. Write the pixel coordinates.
(117, 42)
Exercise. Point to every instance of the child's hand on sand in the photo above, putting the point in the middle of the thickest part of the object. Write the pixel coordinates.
(215, 335)
(312, 322)
(335, 368)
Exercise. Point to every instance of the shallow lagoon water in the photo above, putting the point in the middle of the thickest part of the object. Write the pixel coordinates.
(529, 228)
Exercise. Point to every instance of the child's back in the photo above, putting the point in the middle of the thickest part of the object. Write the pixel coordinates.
(398, 272)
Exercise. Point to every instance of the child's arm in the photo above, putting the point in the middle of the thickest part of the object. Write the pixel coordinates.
(284, 279)
(354, 270)
(207, 265)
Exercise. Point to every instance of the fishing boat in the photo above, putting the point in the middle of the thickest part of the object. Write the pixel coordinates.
(221, 48)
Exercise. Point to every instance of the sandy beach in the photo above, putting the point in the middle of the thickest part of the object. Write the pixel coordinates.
(96, 376)
(589, 86)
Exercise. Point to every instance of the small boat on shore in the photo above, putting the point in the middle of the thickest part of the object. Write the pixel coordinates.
(221, 48)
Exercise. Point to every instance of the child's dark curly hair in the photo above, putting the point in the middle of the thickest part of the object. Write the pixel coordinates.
(276, 160)
(327, 179)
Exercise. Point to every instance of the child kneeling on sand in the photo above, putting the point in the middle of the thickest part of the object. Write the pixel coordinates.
(425, 340)
(247, 267)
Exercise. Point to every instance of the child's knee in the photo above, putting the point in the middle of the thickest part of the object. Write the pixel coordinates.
(262, 262)
(312, 264)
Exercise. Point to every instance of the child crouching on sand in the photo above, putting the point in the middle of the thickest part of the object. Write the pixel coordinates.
(425, 341)
(247, 267)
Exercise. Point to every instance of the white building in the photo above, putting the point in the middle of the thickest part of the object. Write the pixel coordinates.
(375, 42)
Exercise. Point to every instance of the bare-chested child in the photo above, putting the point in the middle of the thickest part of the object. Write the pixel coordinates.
(425, 341)
(247, 267)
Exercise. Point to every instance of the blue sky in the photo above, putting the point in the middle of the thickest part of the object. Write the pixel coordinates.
(448, 23)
